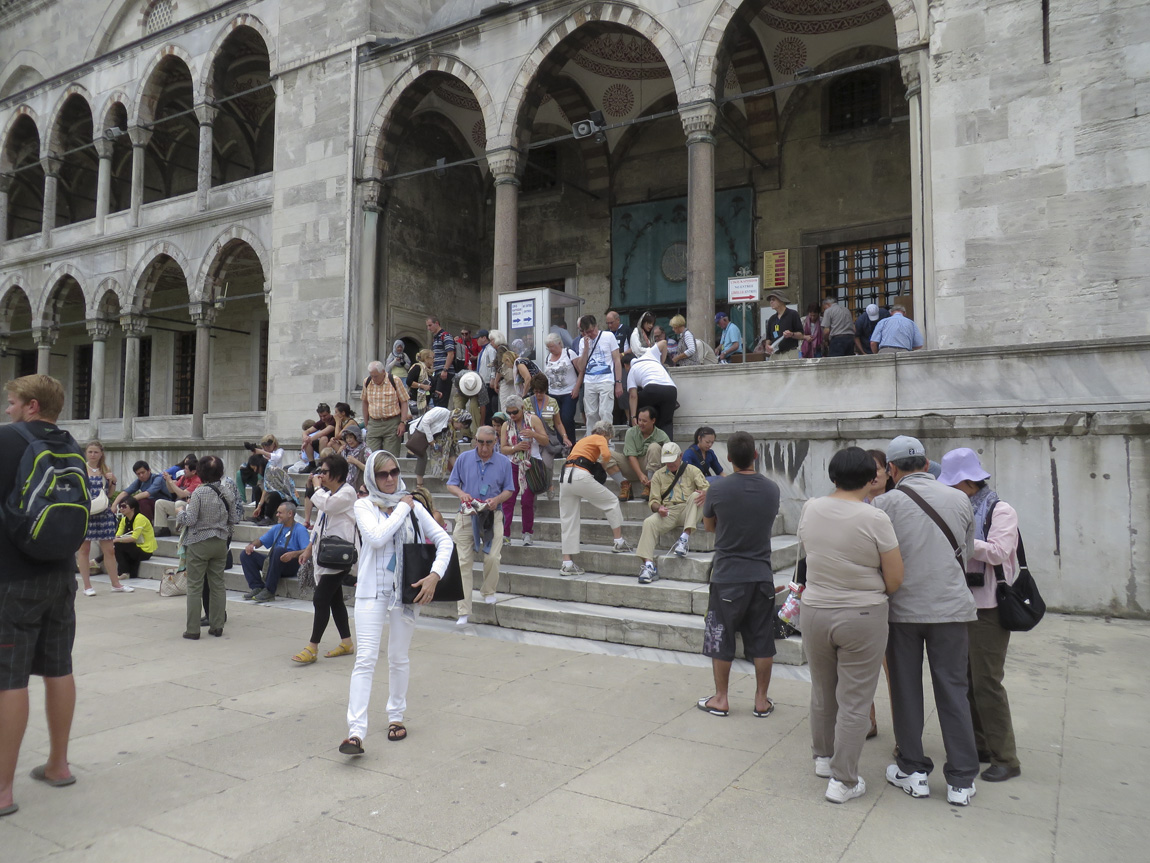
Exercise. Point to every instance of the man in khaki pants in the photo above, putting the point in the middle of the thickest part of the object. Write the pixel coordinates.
(678, 491)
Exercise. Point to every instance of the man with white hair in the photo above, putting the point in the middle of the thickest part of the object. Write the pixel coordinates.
(384, 408)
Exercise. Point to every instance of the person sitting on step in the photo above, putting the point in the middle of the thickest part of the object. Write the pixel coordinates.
(285, 543)
(678, 491)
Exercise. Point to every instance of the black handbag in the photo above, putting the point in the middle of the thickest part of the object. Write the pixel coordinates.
(418, 557)
(1020, 605)
(538, 477)
(333, 552)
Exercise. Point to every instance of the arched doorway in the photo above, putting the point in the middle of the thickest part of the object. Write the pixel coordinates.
(21, 159)
(243, 133)
(238, 377)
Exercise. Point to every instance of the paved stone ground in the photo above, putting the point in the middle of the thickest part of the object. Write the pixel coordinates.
(224, 749)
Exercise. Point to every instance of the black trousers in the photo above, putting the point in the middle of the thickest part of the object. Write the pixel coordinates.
(841, 346)
(328, 602)
(662, 398)
(128, 558)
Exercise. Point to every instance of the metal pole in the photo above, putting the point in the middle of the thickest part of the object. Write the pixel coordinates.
(744, 333)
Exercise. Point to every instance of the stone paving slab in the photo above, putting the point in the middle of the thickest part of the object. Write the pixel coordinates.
(529, 747)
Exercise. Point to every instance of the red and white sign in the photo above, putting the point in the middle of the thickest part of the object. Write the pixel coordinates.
(744, 289)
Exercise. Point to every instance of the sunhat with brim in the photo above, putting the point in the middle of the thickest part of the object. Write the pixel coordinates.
(961, 464)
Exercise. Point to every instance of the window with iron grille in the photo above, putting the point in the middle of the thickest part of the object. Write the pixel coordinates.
(184, 376)
(858, 274)
(263, 372)
(854, 101)
(82, 383)
(158, 15)
(144, 398)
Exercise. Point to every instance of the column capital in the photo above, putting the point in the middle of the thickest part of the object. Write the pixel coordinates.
(140, 136)
(99, 329)
(206, 113)
(45, 335)
(374, 195)
(911, 73)
(202, 314)
(103, 147)
(504, 165)
(133, 325)
(51, 165)
(698, 121)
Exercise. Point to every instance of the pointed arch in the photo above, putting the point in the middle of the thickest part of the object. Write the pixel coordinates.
(104, 119)
(52, 143)
(138, 296)
(143, 110)
(403, 97)
(512, 131)
(11, 292)
(207, 86)
(217, 256)
(50, 295)
(98, 305)
(20, 112)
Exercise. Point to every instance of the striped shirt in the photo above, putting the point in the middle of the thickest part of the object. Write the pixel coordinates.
(687, 349)
(443, 345)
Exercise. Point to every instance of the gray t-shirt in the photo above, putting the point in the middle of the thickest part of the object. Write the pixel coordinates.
(838, 320)
(745, 506)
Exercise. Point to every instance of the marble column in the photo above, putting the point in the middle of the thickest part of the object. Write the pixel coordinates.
(203, 314)
(916, 76)
(698, 124)
(51, 190)
(505, 169)
(206, 114)
(103, 181)
(133, 327)
(99, 332)
(44, 336)
(367, 309)
(140, 138)
(5, 185)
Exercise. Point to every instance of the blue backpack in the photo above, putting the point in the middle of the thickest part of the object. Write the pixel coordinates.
(47, 513)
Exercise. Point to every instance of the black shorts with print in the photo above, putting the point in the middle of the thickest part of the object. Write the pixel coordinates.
(37, 629)
(745, 608)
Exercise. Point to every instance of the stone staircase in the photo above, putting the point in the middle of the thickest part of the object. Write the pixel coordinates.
(606, 603)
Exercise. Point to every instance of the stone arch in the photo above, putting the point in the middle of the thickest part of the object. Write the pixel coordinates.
(20, 111)
(217, 256)
(404, 95)
(52, 144)
(23, 70)
(207, 86)
(618, 14)
(53, 295)
(104, 118)
(143, 110)
(573, 102)
(97, 300)
(11, 290)
(138, 296)
(707, 66)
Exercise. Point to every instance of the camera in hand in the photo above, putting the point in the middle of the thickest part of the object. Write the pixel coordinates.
(250, 447)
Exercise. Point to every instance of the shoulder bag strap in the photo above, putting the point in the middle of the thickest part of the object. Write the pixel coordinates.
(937, 519)
(675, 481)
(999, 573)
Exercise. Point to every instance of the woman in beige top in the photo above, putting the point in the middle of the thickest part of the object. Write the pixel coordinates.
(853, 563)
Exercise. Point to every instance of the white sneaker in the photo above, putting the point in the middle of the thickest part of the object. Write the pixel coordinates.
(959, 796)
(569, 567)
(89, 591)
(620, 547)
(679, 549)
(648, 573)
(123, 588)
(490, 600)
(462, 620)
(527, 539)
(840, 792)
(822, 767)
(915, 784)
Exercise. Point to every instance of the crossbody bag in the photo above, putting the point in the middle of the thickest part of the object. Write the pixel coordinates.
(942, 525)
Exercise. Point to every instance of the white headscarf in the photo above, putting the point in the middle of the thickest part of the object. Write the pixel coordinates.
(387, 502)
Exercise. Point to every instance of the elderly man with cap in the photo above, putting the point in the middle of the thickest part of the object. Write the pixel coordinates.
(996, 554)
(385, 408)
(678, 491)
(934, 525)
(785, 324)
(465, 397)
(730, 340)
(864, 326)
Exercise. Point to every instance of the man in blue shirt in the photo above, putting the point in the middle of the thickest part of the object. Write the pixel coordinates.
(147, 489)
(896, 333)
(482, 480)
(731, 341)
(284, 542)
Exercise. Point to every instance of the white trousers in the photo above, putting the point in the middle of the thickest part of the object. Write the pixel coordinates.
(370, 617)
(598, 400)
(583, 487)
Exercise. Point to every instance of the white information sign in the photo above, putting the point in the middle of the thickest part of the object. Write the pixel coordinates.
(522, 314)
(744, 289)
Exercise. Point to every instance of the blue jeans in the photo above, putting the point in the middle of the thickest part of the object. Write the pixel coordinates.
(253, 563)
(567, 406)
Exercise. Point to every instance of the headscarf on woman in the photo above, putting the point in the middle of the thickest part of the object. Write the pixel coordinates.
(387, 502)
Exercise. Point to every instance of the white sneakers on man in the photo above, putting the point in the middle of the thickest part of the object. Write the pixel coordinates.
(679, 549)
(648, 573)
(914, 784)
(620, 547)
(959, 796)
(840, 792)
(823, 766)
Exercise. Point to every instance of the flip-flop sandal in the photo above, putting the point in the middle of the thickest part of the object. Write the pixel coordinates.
(396, 732)
(702, 705)
(763, 714)
(351, 746)
(10, 809)
(39, 774)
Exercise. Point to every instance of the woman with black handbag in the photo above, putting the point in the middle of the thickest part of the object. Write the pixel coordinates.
(996, 541)
(334, 498)
(388, 519)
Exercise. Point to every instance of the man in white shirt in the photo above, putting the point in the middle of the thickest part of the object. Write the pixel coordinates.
(485, 366)
(600, 372)
(649, 385)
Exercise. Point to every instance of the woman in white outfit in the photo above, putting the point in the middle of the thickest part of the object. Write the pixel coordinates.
(385, 524)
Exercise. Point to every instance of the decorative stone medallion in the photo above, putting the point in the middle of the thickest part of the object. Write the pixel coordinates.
(790, 55)
(674, 262)
(618, 100)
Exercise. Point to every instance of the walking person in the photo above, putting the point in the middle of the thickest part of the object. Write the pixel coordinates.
(101, 526)
(387, 520)
(741, 512)
(996, 541)
(853, 564)
(209, 517)
(558, 365)
(600, 372)
(334, 498)
(384, 408)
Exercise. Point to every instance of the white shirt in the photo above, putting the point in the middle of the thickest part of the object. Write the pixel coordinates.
(486, 364)
(561, 374)
(275, 457)
(338, 519)
(599, 361)
(637, 344)
(647, 370)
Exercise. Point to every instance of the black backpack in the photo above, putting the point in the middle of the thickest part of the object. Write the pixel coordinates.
(46, 515)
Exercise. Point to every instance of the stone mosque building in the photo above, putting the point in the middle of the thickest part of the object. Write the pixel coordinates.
(213, 214)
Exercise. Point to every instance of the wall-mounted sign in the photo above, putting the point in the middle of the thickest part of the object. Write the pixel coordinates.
(522, 314)
(776, 269)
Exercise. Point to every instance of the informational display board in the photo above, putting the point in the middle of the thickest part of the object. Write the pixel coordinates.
(776, 269)
(522, 314)
(743, 289)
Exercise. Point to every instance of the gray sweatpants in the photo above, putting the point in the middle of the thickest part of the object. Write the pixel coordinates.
(946, 652)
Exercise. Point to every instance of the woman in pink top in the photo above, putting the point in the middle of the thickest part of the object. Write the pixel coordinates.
(995, 548)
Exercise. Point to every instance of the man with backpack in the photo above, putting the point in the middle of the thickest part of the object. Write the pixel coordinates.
(44, 498)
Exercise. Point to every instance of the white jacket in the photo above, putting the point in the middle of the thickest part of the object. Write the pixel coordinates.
(337, 517)
(377, 531)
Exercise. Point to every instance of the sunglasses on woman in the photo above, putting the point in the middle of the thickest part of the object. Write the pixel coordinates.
(387, 474)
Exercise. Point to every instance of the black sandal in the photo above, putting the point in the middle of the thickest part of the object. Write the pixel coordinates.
(351, 746)
(396, 732)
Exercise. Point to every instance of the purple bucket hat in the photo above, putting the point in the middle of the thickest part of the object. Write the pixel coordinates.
(961, 464)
